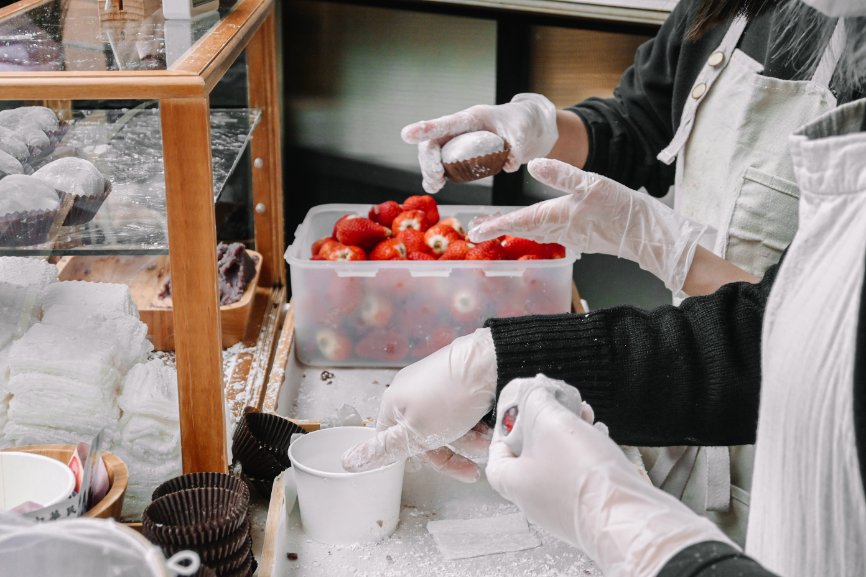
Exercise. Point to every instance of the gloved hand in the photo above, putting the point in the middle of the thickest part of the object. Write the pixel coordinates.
(572, 480)
(527, 123)
(599, 215)
(435, 402)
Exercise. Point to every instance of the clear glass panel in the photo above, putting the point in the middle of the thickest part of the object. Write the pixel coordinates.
(126, 146)
(78, 35)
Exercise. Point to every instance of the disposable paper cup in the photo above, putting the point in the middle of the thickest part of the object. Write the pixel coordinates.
(338, 507)
(27, 477)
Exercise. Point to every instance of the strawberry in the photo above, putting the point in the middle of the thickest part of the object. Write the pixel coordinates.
(428, 344)
(466, 307)
(385, 213)
(426, 204)
(487, 250)
(457, 250)
(317, 246)
(530, 257)
(343, 218)
(516, 247)
(410, 219)
(342, 252)
(421, 256)
(554, 250)
(382, 345)
(392, 249)
(360, 231)
(439, 236)
(333, 345)
(455, 224)
(376, 311)
(413, 239)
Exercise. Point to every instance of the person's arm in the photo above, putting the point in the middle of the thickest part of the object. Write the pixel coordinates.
(626, 132)
(709, 272)
(713, 559)
(672, 376)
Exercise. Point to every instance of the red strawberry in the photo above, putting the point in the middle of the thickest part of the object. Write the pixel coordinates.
(413, 239)
(439, 236)
(360, 231)
(430, 343)
(554, 250)
(487, 250)
(342, 252)
(323, 246)
(317, 246)
(385, 213)
(530, 257)
(455, 224)
(457, 250)
(410, 219)
(333, 345)
(376, 311)
(392, 249)
(421, 256)
(343, 218)
(516, 247)
(424, 203)
(383, 345)
(466, 307)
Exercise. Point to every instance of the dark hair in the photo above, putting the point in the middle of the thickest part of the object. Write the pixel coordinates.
(712, 13)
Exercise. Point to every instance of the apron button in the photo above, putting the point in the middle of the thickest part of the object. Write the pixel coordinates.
(699, 90)
(716, 59)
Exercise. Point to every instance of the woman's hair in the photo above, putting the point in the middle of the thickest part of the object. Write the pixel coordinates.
(799, 37)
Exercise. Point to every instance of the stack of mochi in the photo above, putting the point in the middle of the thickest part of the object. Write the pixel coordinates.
(27, 134)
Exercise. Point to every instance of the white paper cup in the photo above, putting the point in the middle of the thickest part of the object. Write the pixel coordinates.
(27, 477)
(338, 507)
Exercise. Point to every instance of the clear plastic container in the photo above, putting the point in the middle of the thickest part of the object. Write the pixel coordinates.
(392, 313)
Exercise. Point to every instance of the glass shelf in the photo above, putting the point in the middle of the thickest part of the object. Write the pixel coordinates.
(126, 146)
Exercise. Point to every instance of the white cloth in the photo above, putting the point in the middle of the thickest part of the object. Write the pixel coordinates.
(808, 509)
(734, 174)
(94, 296)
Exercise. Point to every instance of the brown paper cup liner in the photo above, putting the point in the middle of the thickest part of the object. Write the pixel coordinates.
(204, 571)
(194, 516)
(85, 207)
(218, 550)
(234, 561)
(261, 443)
(478, 167)
(262, 485)
(203, 480)
(27, 228)
(244, 570)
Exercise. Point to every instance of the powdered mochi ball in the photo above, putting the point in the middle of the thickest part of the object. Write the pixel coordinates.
(20, 193)
(72, 176)
(471, 145)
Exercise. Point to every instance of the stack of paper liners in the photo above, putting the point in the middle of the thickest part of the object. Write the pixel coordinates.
(148, 437)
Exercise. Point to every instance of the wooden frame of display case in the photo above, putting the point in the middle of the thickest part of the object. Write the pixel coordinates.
(183, 92)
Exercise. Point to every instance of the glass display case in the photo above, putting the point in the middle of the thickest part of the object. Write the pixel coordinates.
(167, 166)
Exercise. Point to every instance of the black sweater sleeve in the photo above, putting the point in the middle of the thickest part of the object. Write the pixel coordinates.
(672, 376)
(626, 132)
(713, 559)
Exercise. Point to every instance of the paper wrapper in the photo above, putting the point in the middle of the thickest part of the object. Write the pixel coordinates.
(85, 207)
(477, 167)
(194, 517)
(234, 561)
(33, 227)
(203, 480)
(261, 444)
(218, 552)
(245, 570)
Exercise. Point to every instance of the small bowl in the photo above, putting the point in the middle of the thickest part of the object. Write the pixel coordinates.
(36, 478)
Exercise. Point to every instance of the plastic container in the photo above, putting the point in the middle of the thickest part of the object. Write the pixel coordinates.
(392, 313)
(26, 477)
(338, 507)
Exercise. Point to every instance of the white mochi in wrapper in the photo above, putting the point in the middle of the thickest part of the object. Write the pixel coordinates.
(96, 296)
(24, 271)
(73, 176)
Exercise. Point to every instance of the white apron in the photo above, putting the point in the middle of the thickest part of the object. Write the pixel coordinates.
(734, 174)
(808, 509)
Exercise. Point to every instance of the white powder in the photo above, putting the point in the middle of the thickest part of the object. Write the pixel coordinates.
(471, 145)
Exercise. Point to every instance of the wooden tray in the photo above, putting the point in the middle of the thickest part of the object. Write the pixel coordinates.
(144, 276)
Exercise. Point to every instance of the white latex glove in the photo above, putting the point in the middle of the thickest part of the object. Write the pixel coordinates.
(435, 402)
(571, 479)
(599, 215)
(527, 123)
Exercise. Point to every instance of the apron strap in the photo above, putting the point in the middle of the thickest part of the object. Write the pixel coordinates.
(718, 496)
(717, 62)
(832, 54)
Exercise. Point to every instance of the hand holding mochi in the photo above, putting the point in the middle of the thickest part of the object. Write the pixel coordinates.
(474, 155)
